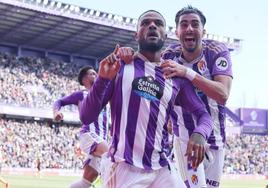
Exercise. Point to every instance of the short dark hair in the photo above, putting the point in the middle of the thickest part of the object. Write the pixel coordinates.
(151, 11)
(82, 73)
(189, 10)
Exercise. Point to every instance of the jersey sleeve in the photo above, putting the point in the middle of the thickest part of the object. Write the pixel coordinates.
(222, 64)
(98, 96)
(74, 99)
(188, 100)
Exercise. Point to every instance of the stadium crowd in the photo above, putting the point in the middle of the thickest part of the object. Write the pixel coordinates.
(246, 154)
(37, 82)
(23, 141)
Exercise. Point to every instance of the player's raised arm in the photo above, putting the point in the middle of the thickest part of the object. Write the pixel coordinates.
(100, 93)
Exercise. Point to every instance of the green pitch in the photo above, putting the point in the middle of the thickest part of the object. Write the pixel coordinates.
(18, 181)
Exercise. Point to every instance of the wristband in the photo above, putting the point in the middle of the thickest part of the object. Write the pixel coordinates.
(190, 74)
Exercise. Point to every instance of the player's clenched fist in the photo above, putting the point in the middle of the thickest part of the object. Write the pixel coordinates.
(58, 116)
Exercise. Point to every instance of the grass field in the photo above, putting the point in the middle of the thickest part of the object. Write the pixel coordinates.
(18, 181)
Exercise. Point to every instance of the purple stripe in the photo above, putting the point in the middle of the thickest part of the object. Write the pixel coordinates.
(93, 147)
(150, 135)
(187, 184)
(152, 124)
(86, 162)
(214, 147)
(97, 127)
(132, 115)
(116, 109)
(175, 125)
(188, 122)
(165, 141)
(105, 122)
(222, 114)
(211, 139)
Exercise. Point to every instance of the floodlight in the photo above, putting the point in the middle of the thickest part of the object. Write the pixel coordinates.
(71, 8)
(58, 5)
(97, 13)
(85, 11)
(91, 12)
(110, 16)
(76, 9)
(45, 2)
(52, 3)
(127, 20)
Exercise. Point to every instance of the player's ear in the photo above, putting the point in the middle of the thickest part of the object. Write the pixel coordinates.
(136, 36)
(204, 32)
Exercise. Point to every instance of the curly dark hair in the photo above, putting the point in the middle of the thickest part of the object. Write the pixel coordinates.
(188, 10)
(82, 73)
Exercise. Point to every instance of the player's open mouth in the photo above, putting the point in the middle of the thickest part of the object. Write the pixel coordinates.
(189, 39)
(152, 35)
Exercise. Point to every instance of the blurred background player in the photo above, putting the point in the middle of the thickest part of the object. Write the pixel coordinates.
(93, 137)
(2, 180)
(38, 166)
(141, 100)
(207, 64)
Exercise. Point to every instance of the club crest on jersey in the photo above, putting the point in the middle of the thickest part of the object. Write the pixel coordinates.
(221, 63)
(194, 179)
(202, 66)
(147, 87)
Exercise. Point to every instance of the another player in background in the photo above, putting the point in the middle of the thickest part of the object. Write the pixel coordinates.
(38, 166)
(141, 101)
(2, 180)
(207, 64)
(93, 137)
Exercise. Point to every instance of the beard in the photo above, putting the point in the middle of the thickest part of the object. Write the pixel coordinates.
(150, 46)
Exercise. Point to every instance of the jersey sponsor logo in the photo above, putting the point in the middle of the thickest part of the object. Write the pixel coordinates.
(147, 87)
(194, 179)
(212, 183)
(202, 66)
(199, 92)
(222, 63)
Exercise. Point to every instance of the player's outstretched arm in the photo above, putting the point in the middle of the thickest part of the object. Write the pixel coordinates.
(74, 99)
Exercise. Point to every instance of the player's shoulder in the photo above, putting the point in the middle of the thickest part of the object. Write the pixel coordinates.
(214, 46)
(84, 92)
(173, 50)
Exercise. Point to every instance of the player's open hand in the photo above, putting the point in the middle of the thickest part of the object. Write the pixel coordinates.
(171, 69)
(195, 150)
(110, 65)
(126, 54)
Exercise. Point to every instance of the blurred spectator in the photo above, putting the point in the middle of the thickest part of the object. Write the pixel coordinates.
(246, 154)
(35, 82)
(24, 141)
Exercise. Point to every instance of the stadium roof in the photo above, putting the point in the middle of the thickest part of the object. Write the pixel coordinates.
(59, 27)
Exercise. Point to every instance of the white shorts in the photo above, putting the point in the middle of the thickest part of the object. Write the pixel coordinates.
(123, 175)
(88, 143)
(208, 173)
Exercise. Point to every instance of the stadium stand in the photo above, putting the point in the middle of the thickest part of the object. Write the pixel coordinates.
(40, 64)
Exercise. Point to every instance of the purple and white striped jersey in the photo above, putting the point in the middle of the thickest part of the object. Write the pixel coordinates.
(141, 101)
(215, 60)
(99, 126)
